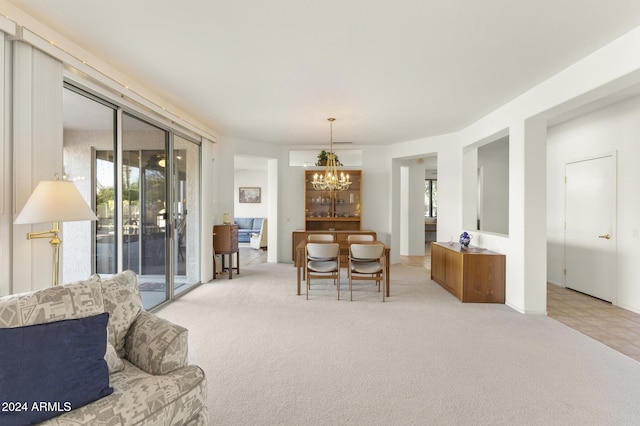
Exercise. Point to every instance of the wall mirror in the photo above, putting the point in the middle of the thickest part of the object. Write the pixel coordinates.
(486, 186)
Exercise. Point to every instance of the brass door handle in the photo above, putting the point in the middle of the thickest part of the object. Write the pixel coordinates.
(605, 236)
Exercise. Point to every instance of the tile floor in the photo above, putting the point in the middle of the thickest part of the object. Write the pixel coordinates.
(419, 260)
(250, 256)
(613, 326)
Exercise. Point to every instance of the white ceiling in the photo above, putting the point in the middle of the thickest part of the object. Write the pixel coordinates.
(389, 71)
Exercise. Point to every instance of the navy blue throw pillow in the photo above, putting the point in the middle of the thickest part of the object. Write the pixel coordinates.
(49, 369)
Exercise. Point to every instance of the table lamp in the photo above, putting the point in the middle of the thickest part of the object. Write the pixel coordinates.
(54, 201)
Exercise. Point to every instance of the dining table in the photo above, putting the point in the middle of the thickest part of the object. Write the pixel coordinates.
(344, 251)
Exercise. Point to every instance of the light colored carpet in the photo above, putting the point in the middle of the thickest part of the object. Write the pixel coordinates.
(421, 358)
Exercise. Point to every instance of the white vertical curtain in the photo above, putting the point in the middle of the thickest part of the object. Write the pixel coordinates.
(35, 137)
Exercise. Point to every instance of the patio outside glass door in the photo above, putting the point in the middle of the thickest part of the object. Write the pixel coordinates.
(144, 207)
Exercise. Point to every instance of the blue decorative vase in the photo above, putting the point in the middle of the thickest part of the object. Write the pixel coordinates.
(465, 239)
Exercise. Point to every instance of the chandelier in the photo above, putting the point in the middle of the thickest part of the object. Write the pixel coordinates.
(331, 181)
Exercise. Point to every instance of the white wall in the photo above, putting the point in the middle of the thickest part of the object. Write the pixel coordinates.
(412, 208)
(612, 129)
(376, 185)
(254, 179)
(208, 200)
(404, 210)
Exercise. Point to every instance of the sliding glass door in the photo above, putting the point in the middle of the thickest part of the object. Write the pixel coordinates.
(89, 140)
(104, 175)
(144, 205)
(186, 220)
(145, 190)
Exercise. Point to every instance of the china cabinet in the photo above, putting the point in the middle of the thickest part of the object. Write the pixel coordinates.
(333, 210)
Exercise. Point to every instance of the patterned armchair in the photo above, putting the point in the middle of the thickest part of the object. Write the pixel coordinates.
(145, 354)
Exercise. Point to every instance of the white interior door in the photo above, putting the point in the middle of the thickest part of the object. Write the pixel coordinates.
(590, 247)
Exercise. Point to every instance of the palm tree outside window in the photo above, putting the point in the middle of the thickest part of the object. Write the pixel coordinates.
(430, 198)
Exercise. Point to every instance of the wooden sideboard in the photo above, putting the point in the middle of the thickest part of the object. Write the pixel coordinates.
(472, 275)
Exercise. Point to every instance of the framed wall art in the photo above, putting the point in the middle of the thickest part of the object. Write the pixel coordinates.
(249, 195)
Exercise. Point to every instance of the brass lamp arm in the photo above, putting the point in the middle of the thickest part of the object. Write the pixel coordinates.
(43, 234)
(55, 246)
(53, 234)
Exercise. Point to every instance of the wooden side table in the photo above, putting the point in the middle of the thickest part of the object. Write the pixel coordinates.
(225, 242)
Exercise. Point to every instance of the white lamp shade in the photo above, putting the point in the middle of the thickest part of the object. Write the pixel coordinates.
(55, 201)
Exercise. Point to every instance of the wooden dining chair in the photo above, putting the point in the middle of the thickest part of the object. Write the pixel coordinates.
(322, 262)
(320, 237)
(367, 262)
(353, 238)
